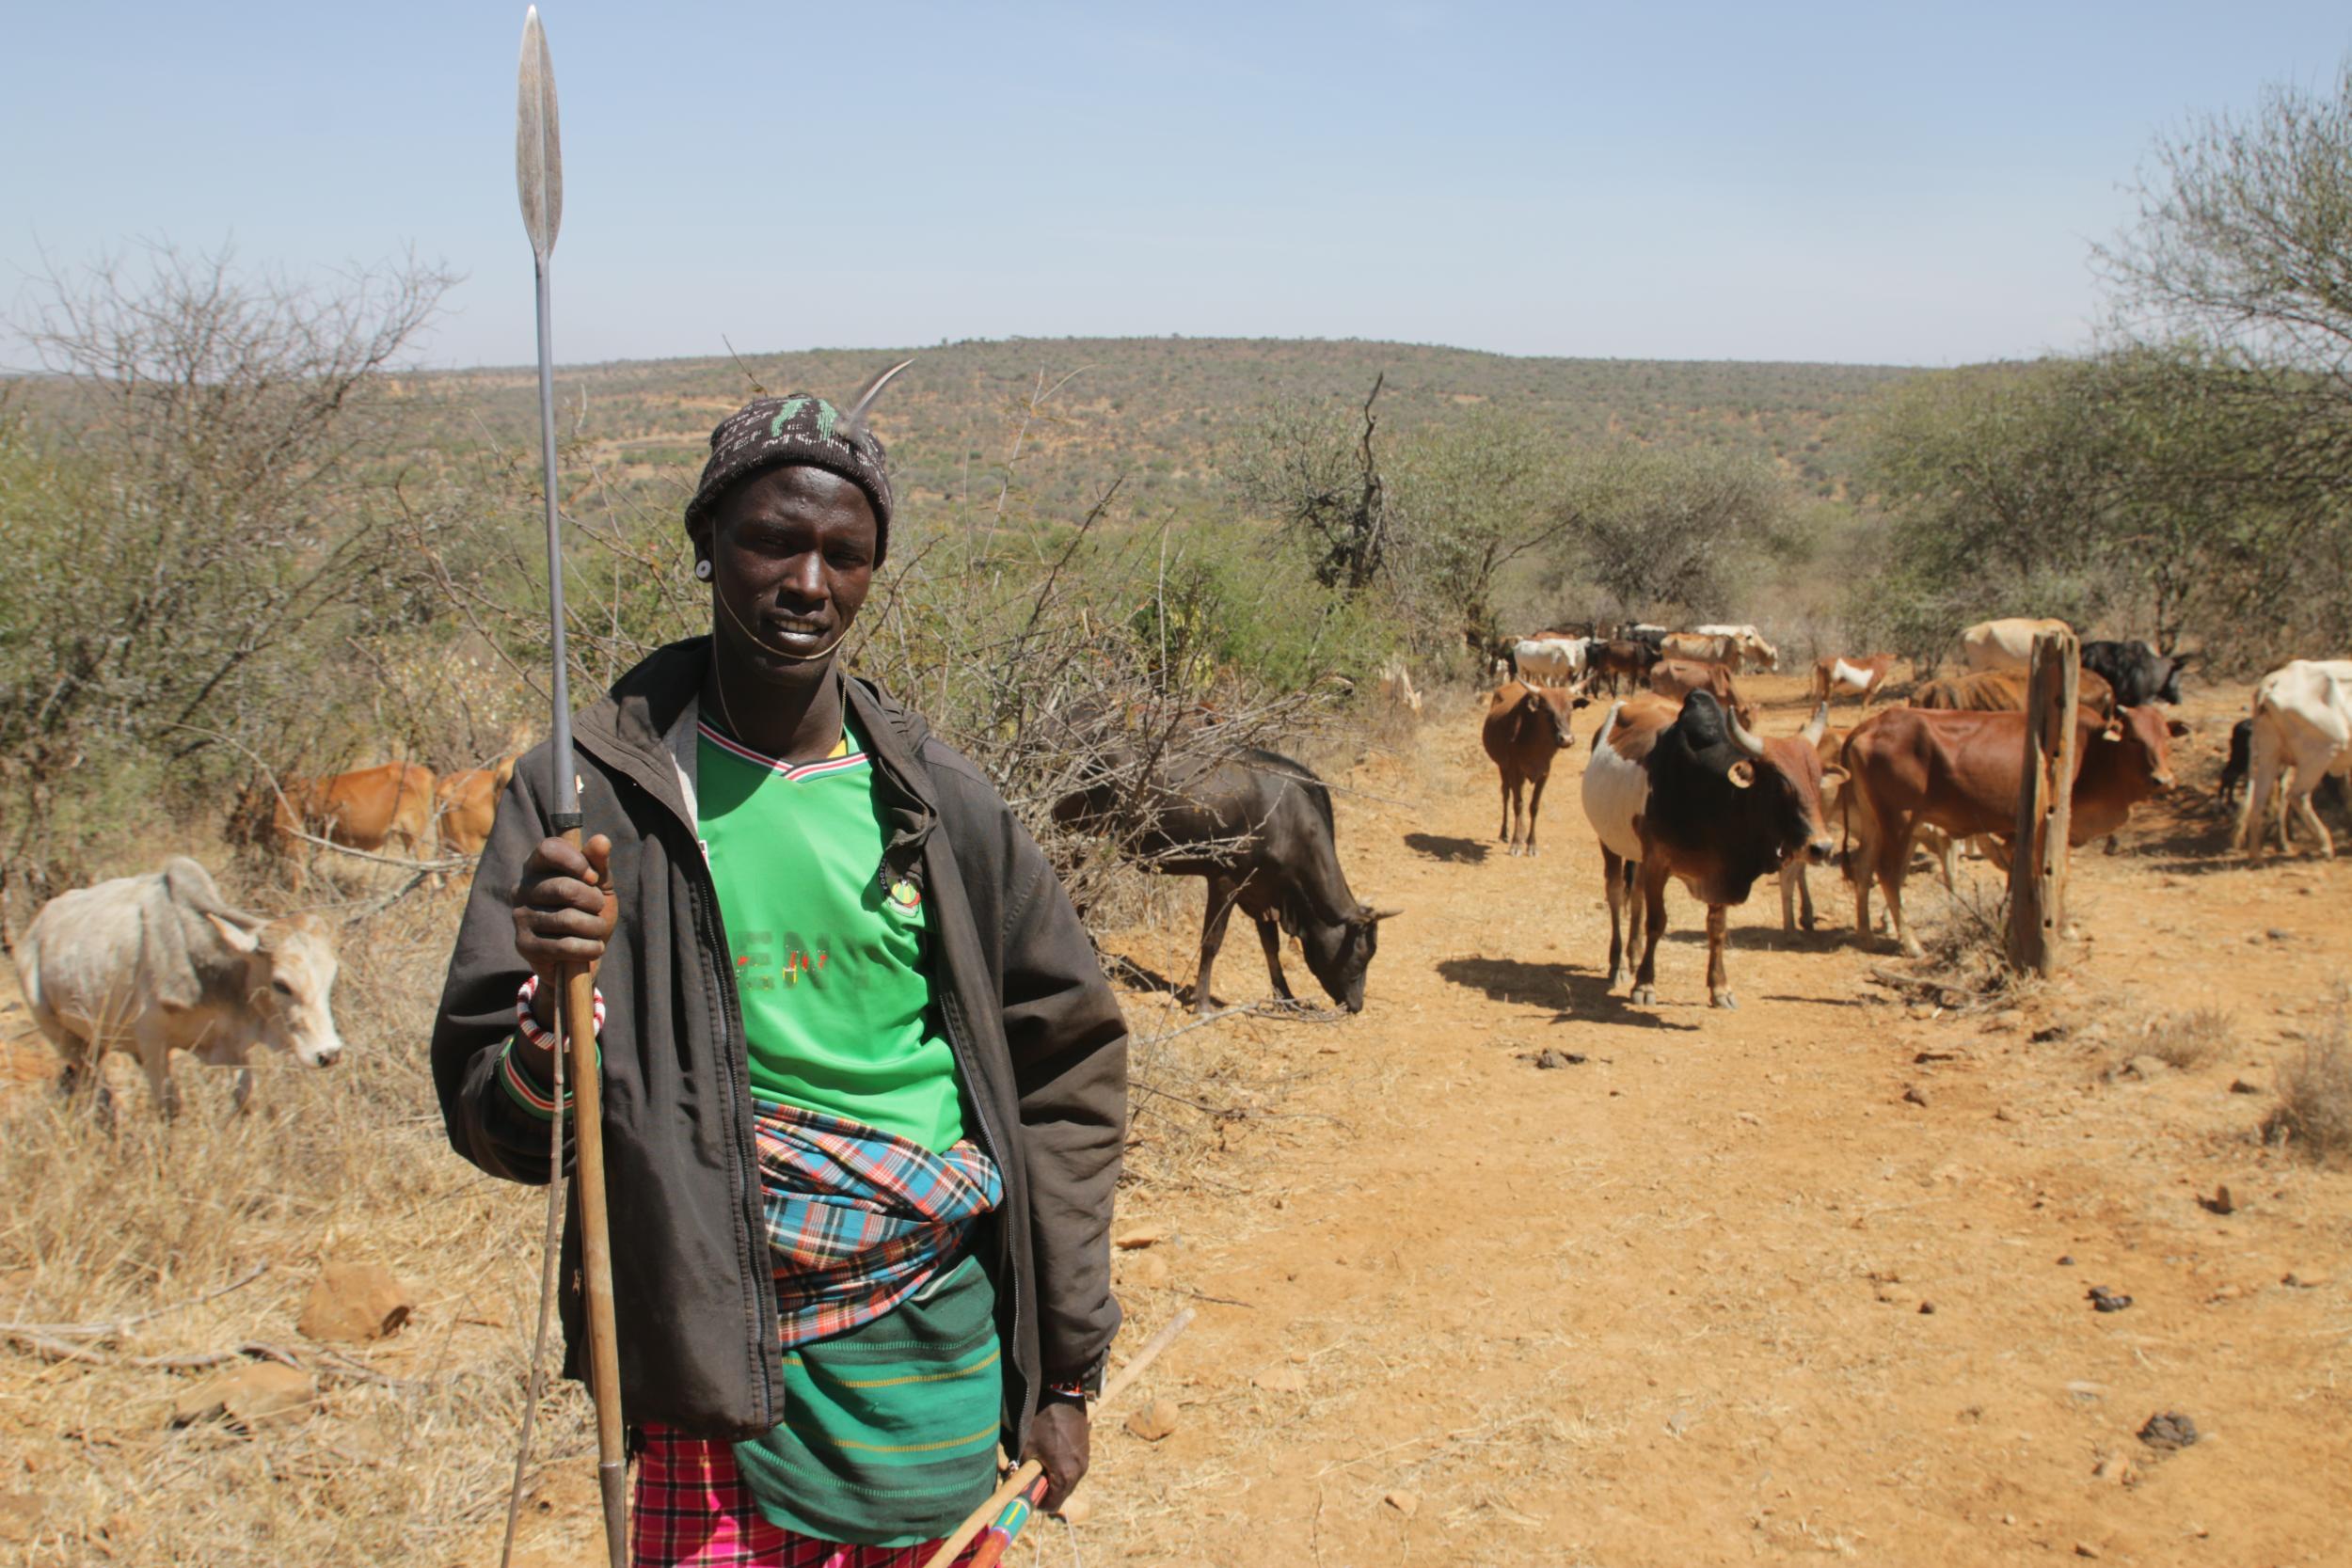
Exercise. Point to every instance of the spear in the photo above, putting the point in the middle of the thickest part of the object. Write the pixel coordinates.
(539, 182)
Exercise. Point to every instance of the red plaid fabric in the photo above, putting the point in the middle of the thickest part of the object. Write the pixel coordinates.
(859, 1220)
(692, 1511)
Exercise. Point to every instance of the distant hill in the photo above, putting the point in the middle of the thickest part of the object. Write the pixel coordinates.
(1162, 410)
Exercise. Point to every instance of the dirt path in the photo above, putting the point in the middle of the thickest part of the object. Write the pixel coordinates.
(1720, 1293)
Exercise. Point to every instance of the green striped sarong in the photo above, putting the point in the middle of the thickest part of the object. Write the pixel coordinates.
(897, 1420)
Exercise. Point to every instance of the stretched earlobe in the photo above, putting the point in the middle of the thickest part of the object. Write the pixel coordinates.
(702, 569)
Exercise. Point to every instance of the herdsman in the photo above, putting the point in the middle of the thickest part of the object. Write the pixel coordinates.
(864, 1085)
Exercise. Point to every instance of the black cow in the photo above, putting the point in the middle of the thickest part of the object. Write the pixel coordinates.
(2140, 674)
(2330, 790)
(1652, 638)
(1257, 825)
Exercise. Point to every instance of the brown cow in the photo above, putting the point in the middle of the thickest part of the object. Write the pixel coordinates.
(1619, 655)
(1695, 796)
(2004, 692)
(388, 806)
(1961, 772)
(1836, 674)
(1525, 727)
(464, 805)
(1677, 678)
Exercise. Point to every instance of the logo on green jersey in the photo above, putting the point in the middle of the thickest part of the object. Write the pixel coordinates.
(904, 896)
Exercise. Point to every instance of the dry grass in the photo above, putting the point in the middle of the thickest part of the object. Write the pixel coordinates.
(1965, 933)
(2314, 1111)
(2187, 1041)
(406, 1457)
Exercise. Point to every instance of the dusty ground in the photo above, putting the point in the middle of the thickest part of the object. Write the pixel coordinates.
(1668, 1305)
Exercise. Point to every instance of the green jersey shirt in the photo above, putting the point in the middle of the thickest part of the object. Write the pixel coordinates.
(830, 957)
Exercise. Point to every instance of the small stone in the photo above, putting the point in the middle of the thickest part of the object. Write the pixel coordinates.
(1404, 1502)
(2002, 1113)
(1136, 1237)
(1075, 1509)
(2306, 1279)
(2239, 1086)
(355, 1303)
(2083, 1549)
(262, 1394)
(2168, 1430)
(2280, 933)
(1148, 1272)
(2116, 1470)
(2008, 1017)
(2083, 1388)
(2047, 1033)
(2103, 1300)
(1281, 1380)
(1154, 1422)
(2145, 1068)
(1911, 1096)
(2067, 1262)
(2220, 1203)
(2228, 1292)
(1926, 1309)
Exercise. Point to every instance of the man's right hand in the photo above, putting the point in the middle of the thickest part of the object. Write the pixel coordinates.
(565, 911)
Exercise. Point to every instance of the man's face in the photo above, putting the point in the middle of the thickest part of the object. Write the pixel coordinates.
(791, 550)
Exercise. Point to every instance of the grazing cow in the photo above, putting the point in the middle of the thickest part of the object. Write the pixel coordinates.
(1836, 675)
(160, 963)
(2302, 732)
(1621, 657)
(2137, 673)
(2004, 644)
(1701, 649)
(1257, 825)
(1525, 726)
(466, 804)
(1751, 652)
(388, 806)
(1961, 772)
(1696, 797)
(1679, 677)
(2004, 692)
(1549, 661)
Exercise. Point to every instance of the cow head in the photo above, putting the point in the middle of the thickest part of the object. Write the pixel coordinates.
(2143, 736)
(1552, 705)
(290, 979)
(2168, 689)
(1339, 951)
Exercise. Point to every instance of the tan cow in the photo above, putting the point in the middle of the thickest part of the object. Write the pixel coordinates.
(388, 806)
(1840, 675)
(1679, 677)
(464, 804)
(2006, 645)
(160, 963)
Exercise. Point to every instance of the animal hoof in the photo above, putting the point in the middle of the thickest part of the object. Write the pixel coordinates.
(1725, 1000)
(1642, 996)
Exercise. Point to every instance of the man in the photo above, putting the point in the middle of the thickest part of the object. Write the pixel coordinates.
(864, 1080)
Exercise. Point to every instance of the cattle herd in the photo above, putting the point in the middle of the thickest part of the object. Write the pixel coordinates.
(1679, 786)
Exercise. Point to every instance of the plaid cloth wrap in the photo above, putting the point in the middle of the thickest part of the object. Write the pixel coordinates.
(859, 1220)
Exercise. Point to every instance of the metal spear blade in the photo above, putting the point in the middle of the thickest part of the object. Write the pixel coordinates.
(538, 146)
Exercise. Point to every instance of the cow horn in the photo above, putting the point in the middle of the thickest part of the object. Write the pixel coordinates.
(1742, 775)
(1818, 726)
(1375, 917)
(1745, 737)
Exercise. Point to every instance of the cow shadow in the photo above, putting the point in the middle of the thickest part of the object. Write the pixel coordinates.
(1765, 938)
(1574, 997)
(1453, 851)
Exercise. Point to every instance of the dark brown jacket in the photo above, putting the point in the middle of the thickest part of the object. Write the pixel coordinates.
(1036, 1035)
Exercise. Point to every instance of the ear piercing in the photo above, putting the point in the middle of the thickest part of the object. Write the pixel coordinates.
(702, 570)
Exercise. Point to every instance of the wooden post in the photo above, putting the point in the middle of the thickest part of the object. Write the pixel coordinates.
(2037, 867)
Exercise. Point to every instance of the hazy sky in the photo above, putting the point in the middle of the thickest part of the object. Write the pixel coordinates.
(1879, 183)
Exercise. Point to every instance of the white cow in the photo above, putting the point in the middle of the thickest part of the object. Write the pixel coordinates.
(1552, 661)
(160, 962)
(2303, 730)
(1751, 651)
(2004, 644)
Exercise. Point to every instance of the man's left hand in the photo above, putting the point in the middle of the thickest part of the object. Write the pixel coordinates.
(1059, 1440)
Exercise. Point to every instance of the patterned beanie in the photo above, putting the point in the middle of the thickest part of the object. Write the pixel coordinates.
(769, 433)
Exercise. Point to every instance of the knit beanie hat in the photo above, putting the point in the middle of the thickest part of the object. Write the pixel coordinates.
(769, 433)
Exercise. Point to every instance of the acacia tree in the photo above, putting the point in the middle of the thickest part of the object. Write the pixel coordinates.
(206, 446)
(1317, 474)
(1472, 497)
(1654, 527)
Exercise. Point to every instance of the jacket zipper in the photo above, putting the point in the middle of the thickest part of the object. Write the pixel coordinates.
(729, 1015)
